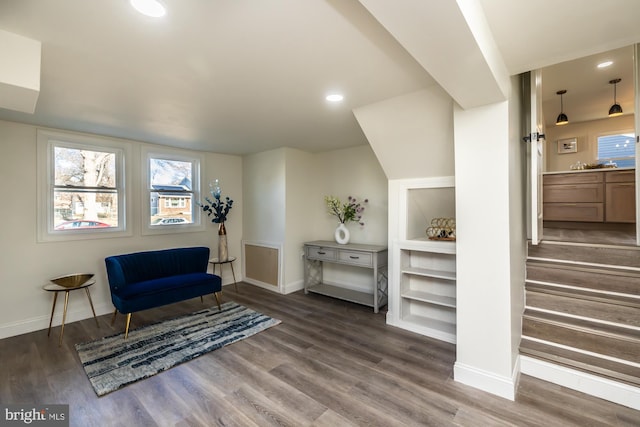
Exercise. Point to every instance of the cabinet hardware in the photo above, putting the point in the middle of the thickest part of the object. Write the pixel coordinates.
(354, 257)
(321, 253)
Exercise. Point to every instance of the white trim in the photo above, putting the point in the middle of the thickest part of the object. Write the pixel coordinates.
(197, 160)
(591, 290)
(591, 264)
(278, 246)
(574, 316)
(42, 322)
(298, 285)
(488, 381)
(46, 141)
(620, 393)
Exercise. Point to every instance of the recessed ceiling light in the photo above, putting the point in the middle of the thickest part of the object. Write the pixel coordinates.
(334, 97)
(605, 64)
(152, 8)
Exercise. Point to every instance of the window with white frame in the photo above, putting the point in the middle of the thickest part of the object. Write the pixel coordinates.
(81, 187)
(172, 185)
(618, 148)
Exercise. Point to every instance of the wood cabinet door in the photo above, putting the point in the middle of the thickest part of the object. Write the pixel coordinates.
(621, 202)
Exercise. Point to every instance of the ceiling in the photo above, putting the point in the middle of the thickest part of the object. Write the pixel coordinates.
(589, 93)
(243, 76)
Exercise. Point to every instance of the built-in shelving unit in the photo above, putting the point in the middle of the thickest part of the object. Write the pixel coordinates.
(422, 289)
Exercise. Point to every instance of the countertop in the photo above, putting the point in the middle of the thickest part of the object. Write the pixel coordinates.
(589, 170)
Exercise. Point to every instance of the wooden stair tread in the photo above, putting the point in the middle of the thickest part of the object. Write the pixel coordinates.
(583, 308)
(601, 269)
(608, 340)
(587, 277)
(628, 256)
(602, 310)
(583, 294)
(586, 363)
(583, 324)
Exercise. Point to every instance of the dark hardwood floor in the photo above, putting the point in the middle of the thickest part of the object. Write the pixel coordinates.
(590, 234)
(329, 363)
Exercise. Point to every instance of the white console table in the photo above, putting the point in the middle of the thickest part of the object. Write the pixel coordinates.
(373, 257)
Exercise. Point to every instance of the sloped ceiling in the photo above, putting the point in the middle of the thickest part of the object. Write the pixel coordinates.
(243, 76)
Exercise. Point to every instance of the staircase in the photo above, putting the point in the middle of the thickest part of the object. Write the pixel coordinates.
(583, 309)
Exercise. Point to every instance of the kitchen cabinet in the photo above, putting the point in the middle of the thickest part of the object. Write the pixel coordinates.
(590, 196)
(574, 197)
(620, 196)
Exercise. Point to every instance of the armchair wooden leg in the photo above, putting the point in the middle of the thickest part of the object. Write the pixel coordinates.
(126, 331)
(113, 319)
(201, 299)
(217, 300)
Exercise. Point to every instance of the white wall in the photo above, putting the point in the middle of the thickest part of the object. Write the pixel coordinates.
(264, 191)
(484, 324)
(25, 266)
(587, 134)
(490, 192)
(517, 216)
(352, 172)
(300, 216)
(411, 134)
(285, 189)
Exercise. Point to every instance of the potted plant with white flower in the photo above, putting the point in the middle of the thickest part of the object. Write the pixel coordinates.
(349, 211)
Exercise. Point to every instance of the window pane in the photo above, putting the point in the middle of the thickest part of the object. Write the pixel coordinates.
(170, 209)
(84, 168)
(619, 149)
(171, 173)
(75, 210)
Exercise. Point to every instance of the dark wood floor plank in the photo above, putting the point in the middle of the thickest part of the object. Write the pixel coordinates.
(329, 363)
(338, 400)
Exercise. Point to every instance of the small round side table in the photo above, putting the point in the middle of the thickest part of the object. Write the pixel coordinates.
(216, 261)
(52, 287)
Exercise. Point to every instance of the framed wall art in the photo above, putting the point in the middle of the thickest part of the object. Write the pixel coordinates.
(567, 145)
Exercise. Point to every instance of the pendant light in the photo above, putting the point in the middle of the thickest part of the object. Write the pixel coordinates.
(616, 109)
(562, 117)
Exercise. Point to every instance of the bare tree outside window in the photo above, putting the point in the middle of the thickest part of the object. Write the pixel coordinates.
(85, 194)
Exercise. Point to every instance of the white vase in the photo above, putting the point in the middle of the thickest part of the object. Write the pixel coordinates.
(342, 234)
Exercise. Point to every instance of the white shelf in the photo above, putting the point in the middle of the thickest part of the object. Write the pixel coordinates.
(427, 272)
(423, 283)
(430, 298)
(431, 327)
(427, 245)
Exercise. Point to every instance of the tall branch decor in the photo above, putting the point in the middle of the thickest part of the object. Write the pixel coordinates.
(217, 208)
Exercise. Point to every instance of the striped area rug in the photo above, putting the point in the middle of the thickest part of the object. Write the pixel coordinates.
(112, 362)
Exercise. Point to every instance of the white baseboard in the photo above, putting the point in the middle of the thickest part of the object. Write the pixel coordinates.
(42, 322)
(287, 289)
(620, 393)
(260, 284)
(487, 381)
(298, 285)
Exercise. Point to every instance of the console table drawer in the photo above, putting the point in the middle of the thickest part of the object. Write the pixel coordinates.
(322, 254)
(363, 259)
